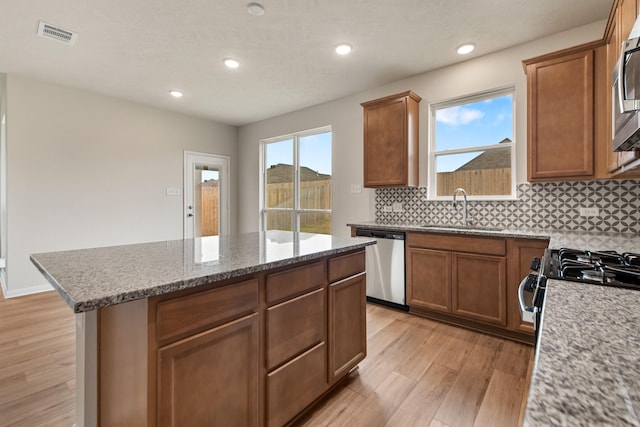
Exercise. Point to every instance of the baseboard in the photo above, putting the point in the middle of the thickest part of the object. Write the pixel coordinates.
(13, 293)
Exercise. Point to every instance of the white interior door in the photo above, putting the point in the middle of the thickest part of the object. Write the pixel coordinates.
(206, 194)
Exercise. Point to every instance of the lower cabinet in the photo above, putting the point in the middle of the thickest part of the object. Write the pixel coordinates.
(211, 378)
(471, 281)
(478, 287)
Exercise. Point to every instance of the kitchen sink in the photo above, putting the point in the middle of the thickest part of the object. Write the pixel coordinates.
(459, 227)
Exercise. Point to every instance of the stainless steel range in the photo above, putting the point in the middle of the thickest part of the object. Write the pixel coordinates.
(607, 268)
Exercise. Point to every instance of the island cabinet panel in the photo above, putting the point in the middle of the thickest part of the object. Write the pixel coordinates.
(294, 386)
(295, 281)
(347, 325)
(211, 379)
(295, 326)
(185, 315)
(429, 279)
(479, 288)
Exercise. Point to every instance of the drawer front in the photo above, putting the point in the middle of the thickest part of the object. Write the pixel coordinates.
(192, 313)
(295, 326)
(346, 265)
(295, 385)
(457, 243)
(295, 281)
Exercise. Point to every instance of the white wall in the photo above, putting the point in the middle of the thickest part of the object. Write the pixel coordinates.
(85, 170)
(496, 70)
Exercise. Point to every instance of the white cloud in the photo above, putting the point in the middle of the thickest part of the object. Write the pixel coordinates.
(455, 116)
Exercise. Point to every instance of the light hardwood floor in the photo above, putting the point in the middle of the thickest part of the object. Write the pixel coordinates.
(417, 372)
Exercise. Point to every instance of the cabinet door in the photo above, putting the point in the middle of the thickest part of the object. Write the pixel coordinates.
(211, 379)
(385, 139)
(561, 117)
(429, 279)
(613, 53)
(347, 325)
(522, 254)
(479, 287)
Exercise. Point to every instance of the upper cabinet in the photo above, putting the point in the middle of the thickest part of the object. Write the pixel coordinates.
(391, 141)
(569, 108)
(561, 120)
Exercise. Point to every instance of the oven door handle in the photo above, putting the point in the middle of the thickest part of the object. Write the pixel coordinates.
(526, 312)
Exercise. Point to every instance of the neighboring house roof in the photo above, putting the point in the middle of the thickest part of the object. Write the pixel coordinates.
(283, 173)
(490, 159)
(210, 183)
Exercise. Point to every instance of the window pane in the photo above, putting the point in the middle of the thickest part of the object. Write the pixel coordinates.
(280, 173)
(475, 124)
(311, 222)
(315, 171)
(480, 173)
(279, 221)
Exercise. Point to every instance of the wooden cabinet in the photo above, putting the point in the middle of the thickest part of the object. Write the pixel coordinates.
(211, 378)
(391, 141)
(561, 121)
(428, 279)
(470, 281)
(460, 275)
(478, 289)
(347, 325)
(521, 253)
(251, 351)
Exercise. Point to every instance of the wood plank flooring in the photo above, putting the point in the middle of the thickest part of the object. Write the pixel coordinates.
(417, 373)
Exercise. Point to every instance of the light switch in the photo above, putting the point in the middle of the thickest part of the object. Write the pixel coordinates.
(173, 191)
(356, 188)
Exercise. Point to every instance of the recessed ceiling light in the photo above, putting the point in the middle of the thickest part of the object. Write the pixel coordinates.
(343, 49)
(231, 63)
(465, 48)
(255, 9)
(175, 93)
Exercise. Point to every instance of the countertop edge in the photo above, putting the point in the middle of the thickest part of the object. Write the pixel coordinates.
(444, 229)
(169, 287)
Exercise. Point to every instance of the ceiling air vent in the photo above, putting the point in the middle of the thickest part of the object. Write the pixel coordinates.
(56, 33)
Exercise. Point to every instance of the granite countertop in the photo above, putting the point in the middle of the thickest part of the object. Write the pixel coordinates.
(557, 238)
(88, 279)
(586, 371)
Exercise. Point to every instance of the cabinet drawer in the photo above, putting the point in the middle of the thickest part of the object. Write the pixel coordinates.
(181, 316)
(295, 385)
(294, 326)
(457, 243)
(346, 265)
(293, 282)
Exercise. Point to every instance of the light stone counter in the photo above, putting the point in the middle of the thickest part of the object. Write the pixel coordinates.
(88, 279)
(587, 369)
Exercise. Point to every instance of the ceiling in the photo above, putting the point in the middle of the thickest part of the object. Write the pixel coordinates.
(141, 49)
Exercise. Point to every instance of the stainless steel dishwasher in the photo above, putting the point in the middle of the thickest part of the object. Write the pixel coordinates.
(385, 268)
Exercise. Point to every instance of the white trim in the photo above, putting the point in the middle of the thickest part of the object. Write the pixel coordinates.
(223, 162)
(431, 152)
(14, 293)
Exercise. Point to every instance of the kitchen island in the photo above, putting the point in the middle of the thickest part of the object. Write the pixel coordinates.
(231, 330)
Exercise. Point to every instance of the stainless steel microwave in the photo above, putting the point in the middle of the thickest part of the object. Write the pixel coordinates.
(625, 108)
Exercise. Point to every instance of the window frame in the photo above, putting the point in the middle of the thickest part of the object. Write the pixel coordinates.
(296, 210)
(433, 154)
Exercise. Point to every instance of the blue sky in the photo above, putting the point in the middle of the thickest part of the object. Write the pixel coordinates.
(315, 152)
(476, 124)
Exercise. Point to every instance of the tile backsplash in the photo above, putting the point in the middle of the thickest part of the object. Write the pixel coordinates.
(554, 205)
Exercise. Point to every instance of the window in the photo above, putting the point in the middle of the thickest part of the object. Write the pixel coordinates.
(296, 182)
(472, 146)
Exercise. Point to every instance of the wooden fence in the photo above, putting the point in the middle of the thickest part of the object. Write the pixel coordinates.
(313, 195)
(477, 182)
(209, 209)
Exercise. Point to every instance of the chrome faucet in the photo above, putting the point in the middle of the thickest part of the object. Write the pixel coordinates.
(455, 204)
